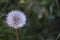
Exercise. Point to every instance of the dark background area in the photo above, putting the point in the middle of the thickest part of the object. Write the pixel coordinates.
(43, 19)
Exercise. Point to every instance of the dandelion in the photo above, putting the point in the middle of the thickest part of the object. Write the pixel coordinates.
(16, 19)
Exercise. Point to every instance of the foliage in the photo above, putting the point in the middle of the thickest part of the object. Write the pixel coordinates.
(42, 23)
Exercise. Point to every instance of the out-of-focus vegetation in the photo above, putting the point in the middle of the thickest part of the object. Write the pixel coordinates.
(43, 19)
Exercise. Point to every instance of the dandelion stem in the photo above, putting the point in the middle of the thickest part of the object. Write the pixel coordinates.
(17, 34)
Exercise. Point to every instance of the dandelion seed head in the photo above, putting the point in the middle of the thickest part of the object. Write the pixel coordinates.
(16, 19)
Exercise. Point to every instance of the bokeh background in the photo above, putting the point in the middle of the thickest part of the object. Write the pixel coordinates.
(43, 19)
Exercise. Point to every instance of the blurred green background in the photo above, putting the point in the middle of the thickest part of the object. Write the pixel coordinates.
(43, 19)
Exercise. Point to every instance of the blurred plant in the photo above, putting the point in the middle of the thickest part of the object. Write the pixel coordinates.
(42, 19)
(16, 19)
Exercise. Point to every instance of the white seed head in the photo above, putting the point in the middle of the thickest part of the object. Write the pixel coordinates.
(16, 19)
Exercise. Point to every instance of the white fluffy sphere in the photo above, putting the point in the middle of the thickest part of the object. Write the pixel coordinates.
(16, 19)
